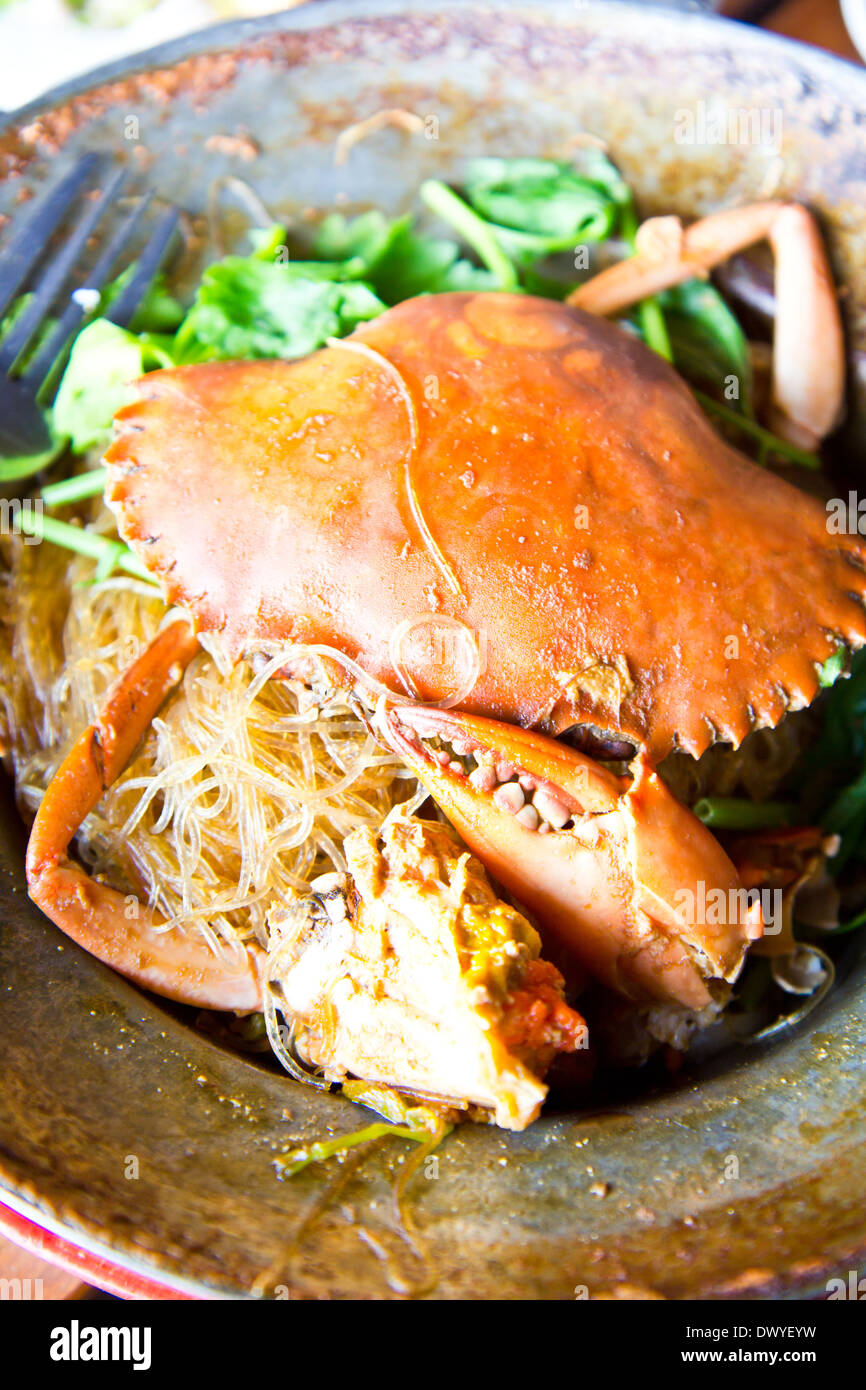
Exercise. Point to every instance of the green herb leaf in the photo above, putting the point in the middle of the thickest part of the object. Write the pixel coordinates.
(404, 1121)
(472, 228)
(246, 307)
(396, 260)
(267, 242)
(853, 924)
(540, 206)
(297, 1159)
(833, 667)
(709, 346)
(847, 808)
(109, 554)
(831, 775)
(650, 322)
(8, 322)
(358, 241)
(158, 312)
(16, 468)
(96, 382)
(413, 264)
(75, 489)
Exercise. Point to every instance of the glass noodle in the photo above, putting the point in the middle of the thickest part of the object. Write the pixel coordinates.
(245, 785)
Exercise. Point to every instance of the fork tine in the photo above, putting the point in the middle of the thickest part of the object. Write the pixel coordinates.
(148, 263)
(26, 246)
(52, 281)
(23, 430)
(67, 326)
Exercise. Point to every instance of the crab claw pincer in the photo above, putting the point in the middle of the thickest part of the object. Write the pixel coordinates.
(616, 870)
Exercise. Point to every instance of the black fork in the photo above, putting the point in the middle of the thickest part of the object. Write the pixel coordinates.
(22, 424)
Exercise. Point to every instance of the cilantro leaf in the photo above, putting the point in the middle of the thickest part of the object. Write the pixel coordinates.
(246, 307)
(96, 382)
(540, 206)
(396, 260)
(709, 346)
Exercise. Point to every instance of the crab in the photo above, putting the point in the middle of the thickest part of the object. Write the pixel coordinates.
(533, 482)
(380, 983)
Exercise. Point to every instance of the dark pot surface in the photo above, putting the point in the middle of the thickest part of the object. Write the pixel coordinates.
(94, 1072)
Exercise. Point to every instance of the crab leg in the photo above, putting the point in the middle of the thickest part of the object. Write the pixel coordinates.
(618, 873)
(123, 933)
(808, 346)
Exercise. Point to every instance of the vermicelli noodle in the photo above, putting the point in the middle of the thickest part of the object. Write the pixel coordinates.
(243, 788)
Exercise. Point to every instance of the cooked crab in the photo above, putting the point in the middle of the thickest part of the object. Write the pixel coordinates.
(528, 477)
(607, 863)
(409, 971)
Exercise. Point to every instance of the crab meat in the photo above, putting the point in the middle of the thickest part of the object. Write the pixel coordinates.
(621, 871)
(409, 972)
(509, 469)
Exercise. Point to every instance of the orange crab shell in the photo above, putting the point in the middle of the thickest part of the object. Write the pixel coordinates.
(521, 467)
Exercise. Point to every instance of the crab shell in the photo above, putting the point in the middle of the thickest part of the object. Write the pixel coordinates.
(515, 468)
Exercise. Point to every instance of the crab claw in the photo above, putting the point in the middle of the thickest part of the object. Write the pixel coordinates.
(123, 933)
(623, 879)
